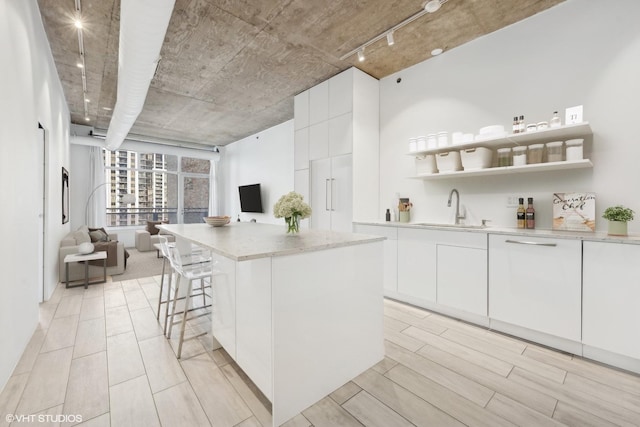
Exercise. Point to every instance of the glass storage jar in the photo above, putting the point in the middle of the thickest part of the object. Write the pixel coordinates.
(574, 149)
(535, 153)
(554, 151)
(519, 156)
(504, 156)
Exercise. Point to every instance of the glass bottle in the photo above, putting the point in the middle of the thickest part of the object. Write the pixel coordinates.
(516, 125)
(521, 213)
(522, 127)
(531, 214)
(555, 120)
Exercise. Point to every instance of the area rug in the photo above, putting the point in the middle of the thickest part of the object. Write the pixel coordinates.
(140, 264)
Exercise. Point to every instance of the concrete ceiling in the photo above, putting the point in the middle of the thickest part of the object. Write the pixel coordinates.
(230, 68)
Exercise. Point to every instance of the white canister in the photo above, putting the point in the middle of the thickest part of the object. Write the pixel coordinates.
(432, 141)
(519, 156)
(574, 149)
(443, 139)
(422, 143)
(413, 145)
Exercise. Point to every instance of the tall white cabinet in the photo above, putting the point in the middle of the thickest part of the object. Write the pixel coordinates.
(336, 149)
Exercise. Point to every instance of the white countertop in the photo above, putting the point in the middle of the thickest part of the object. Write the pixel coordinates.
(242, 241)
(598, 236)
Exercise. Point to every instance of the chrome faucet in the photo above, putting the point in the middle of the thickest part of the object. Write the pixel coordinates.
(458, 216)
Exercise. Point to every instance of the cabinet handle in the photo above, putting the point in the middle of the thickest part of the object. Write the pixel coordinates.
(521, 242)
(332, 180)
(326, 194)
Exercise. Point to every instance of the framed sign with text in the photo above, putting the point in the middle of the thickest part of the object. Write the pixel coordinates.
(574, 211)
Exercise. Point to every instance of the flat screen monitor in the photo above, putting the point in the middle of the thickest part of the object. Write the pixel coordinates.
(250, 198)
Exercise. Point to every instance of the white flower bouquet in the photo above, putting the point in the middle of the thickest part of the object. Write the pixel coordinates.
(292, 208)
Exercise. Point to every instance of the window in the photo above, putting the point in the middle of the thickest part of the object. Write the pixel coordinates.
(162, 190)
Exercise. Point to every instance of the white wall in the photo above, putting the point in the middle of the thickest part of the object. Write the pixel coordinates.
(579, 52)
(31, 93)
(265, 158)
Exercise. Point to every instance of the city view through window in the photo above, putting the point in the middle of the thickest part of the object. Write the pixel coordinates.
(166, 188)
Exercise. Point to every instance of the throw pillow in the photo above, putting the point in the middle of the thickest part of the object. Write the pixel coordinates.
(81, 237)
(151, 226)
(98, 236)
(102, 232)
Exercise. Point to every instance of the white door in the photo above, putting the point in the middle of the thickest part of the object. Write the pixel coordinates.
(341, 193)
(320, 193)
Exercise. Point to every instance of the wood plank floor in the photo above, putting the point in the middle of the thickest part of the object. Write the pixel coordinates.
(100, 354)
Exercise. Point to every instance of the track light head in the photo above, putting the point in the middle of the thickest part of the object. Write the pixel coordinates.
(361, 55)
(390, 41)
(432, 6)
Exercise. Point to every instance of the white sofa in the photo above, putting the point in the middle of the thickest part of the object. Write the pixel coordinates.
(69, 245)
(145, 240)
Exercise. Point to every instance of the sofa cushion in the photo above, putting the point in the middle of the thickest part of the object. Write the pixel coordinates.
(81, 237)
(98, 235)
(151, 226)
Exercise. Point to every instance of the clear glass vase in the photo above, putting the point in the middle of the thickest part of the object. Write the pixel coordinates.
(293, 223)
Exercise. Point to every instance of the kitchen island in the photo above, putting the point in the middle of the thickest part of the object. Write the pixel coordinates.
(300, 314)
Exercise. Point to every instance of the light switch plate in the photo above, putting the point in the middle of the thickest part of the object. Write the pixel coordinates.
(512, 201)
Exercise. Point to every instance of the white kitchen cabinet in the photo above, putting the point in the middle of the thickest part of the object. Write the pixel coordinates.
(253, 322)
(462, 278)
(341, 94)
(331, 193)
(417, 264)
(301, 110)
(535, 283)
(342, 117)
(301, 149)
(319, 103)
(319, 141)
(390, 253)
(340, 135)
(611, 294)
(301, 186)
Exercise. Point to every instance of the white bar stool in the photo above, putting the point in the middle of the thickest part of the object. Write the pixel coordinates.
(190, 268)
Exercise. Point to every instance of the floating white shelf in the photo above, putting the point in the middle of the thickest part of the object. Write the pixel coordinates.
(504, 170)
(550, 134)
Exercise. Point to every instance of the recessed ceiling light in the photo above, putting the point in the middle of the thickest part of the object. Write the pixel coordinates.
(436, 52)
(432, 6)
(77, 23)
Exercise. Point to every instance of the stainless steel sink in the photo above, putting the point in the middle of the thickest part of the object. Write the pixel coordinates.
(434, 224)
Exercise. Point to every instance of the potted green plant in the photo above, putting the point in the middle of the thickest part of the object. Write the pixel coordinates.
(618, 216)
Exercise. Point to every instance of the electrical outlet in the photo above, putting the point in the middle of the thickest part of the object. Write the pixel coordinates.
(512, 201)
